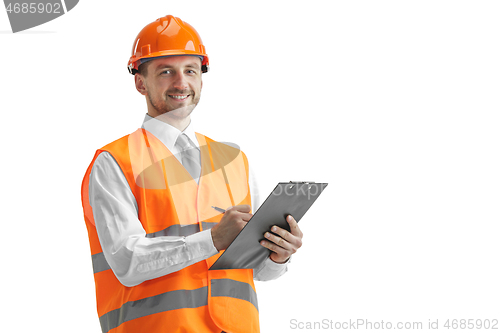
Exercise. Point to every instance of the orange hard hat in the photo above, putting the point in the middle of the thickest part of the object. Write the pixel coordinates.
(167, 36)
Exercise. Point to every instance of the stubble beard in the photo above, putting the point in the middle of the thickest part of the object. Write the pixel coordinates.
(161, 107)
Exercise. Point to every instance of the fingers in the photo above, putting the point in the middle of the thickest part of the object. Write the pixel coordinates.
(294, 226)
(279, 254)
(246, 216)
(294, 235)
(284, 237)
(233, 220)
(283, 243)
(280, 242)
(241, 208)
(241, 211)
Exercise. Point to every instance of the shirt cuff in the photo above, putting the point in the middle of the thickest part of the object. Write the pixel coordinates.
(276, 266)
(201, 244)
(270, 270)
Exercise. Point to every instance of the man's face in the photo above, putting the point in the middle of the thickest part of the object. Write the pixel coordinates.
(172, 83)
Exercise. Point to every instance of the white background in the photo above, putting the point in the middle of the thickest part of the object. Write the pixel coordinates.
(394, 103)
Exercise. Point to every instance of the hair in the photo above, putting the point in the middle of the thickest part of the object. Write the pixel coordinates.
(143, 69)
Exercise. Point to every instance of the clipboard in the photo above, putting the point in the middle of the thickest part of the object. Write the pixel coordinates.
(293, 198)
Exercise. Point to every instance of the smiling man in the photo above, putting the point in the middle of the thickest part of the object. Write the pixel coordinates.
(174, 83)
(148, 201)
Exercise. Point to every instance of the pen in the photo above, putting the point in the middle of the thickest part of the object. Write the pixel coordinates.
(219, 209)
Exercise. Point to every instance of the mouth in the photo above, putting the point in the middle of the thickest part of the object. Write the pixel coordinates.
(179, 97)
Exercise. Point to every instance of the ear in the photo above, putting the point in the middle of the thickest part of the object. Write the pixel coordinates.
(139, 84)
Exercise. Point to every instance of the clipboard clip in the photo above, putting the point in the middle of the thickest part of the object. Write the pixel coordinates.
(302, 182)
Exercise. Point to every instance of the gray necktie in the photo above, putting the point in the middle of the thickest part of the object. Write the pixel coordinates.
(190, 156)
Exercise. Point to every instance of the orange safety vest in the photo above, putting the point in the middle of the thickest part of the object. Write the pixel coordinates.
(193, 299)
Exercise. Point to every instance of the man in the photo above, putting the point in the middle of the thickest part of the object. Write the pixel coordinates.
(149, 201)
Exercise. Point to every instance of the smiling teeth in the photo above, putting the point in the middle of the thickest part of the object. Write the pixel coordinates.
(179, 97)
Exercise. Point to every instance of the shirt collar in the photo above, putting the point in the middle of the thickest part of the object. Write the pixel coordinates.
(167, 133)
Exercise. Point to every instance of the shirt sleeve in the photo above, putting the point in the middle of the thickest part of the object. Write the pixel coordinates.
(133, 257)
(268, 270)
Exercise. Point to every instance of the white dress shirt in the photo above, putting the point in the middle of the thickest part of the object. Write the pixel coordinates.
(133, 257)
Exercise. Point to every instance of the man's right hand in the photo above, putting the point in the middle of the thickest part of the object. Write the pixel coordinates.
(230, 225)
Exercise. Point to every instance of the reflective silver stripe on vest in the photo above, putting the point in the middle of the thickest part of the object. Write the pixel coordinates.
(99, 263)
(172, 300)
(182, 230)
(177, 299)
(234, 289)
(208, 225)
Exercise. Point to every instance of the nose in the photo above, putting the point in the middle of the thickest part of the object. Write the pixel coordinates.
(180, 81)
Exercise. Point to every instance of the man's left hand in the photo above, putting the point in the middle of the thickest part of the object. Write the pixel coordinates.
(286, 243)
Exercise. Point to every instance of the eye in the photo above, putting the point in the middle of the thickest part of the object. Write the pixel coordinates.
(191, 71)
(166, 71)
